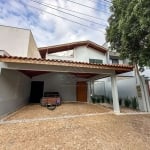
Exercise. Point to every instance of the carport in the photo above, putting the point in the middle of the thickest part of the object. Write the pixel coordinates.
(86, 71)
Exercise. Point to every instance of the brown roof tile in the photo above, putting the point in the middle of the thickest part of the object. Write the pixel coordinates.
(116, 67)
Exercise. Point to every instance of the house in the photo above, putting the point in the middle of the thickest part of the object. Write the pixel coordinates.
(128, 83)
(26, 72)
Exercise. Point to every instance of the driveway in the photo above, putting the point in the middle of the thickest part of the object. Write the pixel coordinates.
(66, 109)
(100, 130)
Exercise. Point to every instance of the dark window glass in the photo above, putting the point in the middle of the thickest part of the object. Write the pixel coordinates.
(115, 61)
(96, 61)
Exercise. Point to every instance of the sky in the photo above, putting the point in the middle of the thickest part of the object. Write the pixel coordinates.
(50, 25)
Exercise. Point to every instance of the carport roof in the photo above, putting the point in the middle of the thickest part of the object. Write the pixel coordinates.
(53, 62)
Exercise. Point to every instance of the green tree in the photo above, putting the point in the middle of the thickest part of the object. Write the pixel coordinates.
(129, 30)
(129, 33)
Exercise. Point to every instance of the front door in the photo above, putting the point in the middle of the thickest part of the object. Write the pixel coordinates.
(81, 89)
(36, 91)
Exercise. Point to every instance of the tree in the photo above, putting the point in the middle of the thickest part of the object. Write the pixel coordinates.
(129, 30)
(129, 34)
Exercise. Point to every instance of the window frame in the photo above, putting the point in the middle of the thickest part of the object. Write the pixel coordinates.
(95, 61)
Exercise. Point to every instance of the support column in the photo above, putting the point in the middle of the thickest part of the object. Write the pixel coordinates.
(89, 92)
(2, 65)
(0, 69)
(92, 87)
(115, 94)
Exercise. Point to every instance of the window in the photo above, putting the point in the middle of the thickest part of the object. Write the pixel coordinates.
(68, 53)
(115, 61)
(96, 61)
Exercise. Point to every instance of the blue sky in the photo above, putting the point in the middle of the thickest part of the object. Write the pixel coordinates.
(48, 29)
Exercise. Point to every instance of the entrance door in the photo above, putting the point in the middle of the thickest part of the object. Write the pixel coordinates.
(81, 89)
(36, 91)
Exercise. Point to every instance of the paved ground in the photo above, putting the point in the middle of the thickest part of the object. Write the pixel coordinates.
(98, 131)
(67, 109)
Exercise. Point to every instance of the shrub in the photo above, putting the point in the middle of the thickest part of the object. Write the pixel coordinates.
(93, 99)
(103, 99)
(127, 102)
(134, 103)
(98, 100)
(107, 99)
(120, 101)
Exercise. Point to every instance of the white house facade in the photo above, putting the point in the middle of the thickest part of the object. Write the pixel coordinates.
(72, 69)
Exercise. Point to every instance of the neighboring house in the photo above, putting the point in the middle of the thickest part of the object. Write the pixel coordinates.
(128, 83)
(70, 69)
(18, 42)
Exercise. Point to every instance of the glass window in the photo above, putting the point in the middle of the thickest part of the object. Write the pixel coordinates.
(68, 53)
(115, 61)
(96, 61)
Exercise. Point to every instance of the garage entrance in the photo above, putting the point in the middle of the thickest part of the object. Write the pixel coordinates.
(60, 71)
(36, 93)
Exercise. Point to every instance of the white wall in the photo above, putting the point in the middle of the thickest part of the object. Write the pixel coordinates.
(126, 87)
(127, 74)
(82, 53)
(146, 72)
(99, 88)
(14, 40)
(14, 90)
(32, 48)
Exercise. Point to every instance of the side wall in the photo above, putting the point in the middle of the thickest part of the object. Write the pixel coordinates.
(32, 48)
(126, 87)
(14, 40)
(14, 91)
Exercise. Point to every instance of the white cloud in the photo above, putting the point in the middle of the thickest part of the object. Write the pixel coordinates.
(49, 29)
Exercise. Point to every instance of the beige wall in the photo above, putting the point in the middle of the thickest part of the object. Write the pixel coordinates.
(32, 48)
(14, 40)
(18, 42)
